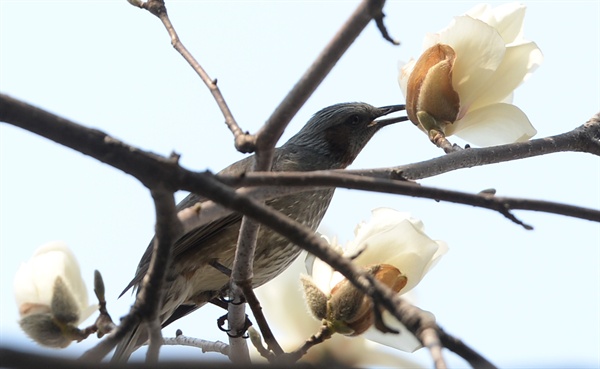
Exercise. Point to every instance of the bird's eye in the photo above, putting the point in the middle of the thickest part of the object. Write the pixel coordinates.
(353, 120)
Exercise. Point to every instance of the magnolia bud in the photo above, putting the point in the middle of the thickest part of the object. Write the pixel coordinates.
(347, 310)
(51, 296)
(54, 326)
(315, 298)
(431, 101)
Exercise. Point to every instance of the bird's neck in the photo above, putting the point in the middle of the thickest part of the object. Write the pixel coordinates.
(306, 158)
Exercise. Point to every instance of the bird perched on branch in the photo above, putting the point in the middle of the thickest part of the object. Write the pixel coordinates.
(331, 139)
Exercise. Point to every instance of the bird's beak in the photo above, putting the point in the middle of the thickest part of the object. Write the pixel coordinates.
(385, 110)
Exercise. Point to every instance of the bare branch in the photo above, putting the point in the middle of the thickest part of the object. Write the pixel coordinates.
(321, 336)
(206, 346)
(254, 304)
(585, 138)
(243, 141)
(148, 300)
(236, 319)
(155, 340)
(149, 168)
(431, 340)
(378, 16)
(461, 349)
(345, 180)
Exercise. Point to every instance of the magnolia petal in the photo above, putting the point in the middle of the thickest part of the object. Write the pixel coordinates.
(403, 247)
(34, 281)
(495, 124)
(405, 69)
(87, 312)
(321, 273)
(414, 264)
(508, 99)
(520, 61)
(479, 52)
(441, 251)
(381, 218)
(378, 243)
(480, 11)
(507, 19)
(404, 341)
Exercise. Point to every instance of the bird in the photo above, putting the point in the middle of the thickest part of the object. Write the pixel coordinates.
(331, 139)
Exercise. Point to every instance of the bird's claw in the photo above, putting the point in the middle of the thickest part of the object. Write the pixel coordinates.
(242, 333)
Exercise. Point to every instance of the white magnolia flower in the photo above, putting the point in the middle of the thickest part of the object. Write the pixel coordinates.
(393, 247)
(51, 295)
(463, 83)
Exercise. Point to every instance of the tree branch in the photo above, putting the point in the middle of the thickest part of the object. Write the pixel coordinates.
(149, 298)
(261, 321)
(206, 346)
(384, 185)
(243, 142)
(585, 138)
(236, 320)
(461, 349)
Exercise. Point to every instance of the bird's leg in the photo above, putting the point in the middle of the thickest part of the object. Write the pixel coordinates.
(222, 302)
(225, 300)
(220, 267)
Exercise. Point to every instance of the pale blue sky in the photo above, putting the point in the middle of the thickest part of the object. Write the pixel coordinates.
(522, 298)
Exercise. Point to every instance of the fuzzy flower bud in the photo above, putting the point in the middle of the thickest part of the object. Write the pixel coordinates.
(51, 296)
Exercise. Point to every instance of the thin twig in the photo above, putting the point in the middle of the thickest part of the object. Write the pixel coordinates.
(461, 349)
(431, 340)
(261, 321)
(321, 336)
(243, 141)
(384, 31)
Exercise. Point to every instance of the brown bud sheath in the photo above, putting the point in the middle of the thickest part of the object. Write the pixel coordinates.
(429, 87)
(351, 312)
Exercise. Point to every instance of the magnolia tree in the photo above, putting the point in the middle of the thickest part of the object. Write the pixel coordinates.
(354, 302)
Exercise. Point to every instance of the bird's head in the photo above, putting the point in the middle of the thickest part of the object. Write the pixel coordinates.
(341, 131)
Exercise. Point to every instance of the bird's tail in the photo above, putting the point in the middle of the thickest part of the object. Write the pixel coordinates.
(134, 340)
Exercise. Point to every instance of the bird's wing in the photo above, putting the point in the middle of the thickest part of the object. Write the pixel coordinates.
(199, 236)
(196, 238)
